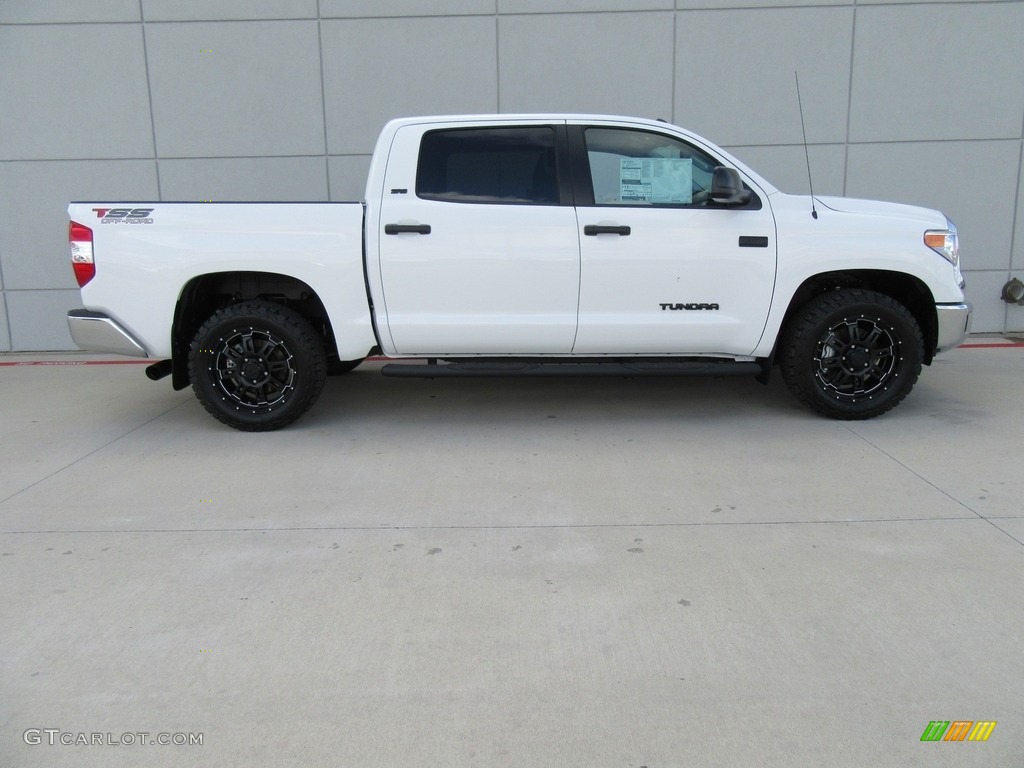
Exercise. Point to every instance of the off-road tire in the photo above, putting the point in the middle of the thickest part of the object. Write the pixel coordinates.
(852, 354)
(257, 366)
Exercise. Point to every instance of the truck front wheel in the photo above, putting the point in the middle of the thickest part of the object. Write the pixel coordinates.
(257, 366)
(852, 354)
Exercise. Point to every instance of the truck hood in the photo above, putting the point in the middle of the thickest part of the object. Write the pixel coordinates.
(927, 217)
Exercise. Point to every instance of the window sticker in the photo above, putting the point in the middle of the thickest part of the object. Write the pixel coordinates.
(656, 180)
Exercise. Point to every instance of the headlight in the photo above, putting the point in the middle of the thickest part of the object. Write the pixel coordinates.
(944, 242)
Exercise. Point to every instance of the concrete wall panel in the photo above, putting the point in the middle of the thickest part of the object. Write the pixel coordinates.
(735, 82)
(236, 89)
(249, 179)
(616, 63)
(348, 177)
(786, 167)
(577, 6)
(38, 319)
(73, 91)
(983, 291)
(221, 10)
(377, 69)
(718, 5)
(5, 331)
(359, 9)
(938, 72)
(63, 12)
(1017, 257)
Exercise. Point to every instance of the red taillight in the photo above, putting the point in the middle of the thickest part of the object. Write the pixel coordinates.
(80, 240)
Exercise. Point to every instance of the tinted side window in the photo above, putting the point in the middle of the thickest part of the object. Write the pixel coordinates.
(630, 167)
(489, 165)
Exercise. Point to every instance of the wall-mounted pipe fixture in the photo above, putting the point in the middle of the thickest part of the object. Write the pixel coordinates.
(1013, 292)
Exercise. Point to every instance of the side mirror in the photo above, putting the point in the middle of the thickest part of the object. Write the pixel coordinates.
(727, 187)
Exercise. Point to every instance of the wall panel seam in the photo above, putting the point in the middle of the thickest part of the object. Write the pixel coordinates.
(323, 97)
(149, 97)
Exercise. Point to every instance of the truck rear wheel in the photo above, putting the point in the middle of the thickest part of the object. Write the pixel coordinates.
(257, 366)
(852, 354)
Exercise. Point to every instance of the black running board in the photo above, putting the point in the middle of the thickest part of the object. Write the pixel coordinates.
(512, 368)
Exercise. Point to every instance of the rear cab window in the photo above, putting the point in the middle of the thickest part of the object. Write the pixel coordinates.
(513, 165)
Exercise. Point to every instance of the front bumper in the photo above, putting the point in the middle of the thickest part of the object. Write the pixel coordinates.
(953, 323)
(95, 332)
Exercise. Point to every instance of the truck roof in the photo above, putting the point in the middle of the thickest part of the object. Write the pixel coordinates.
(519, 117)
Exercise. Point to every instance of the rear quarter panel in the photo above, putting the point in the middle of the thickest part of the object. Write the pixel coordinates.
(142, 268)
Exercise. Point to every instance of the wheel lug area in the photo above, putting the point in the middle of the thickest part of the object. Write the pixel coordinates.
(856, 358)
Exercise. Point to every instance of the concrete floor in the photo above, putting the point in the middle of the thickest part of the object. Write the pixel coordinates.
(511, 573)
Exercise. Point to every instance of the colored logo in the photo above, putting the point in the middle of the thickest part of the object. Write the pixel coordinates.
(958, 730)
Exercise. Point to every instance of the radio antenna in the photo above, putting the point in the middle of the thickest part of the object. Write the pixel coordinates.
(807, 154)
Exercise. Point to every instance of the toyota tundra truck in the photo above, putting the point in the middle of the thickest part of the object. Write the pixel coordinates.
(525, 245)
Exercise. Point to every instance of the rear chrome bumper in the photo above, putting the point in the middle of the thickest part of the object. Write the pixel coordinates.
(953, 324)
(95, 332)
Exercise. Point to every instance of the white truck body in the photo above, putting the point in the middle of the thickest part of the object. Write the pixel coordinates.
(474, 260)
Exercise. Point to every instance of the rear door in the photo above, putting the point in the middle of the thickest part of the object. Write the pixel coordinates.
(664, 269)
(479, 251)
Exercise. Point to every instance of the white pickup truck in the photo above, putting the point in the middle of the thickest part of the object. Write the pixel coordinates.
(524, 245)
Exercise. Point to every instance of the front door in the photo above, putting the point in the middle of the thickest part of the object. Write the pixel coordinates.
(665, 270)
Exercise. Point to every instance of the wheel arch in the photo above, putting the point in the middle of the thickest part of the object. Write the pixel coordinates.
(205, 294)
(908, 290)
